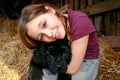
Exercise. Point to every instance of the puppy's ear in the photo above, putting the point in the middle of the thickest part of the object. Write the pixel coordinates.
(39, 56)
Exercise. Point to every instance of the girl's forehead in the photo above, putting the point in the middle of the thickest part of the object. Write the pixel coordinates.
(43, 16)
(37, 19)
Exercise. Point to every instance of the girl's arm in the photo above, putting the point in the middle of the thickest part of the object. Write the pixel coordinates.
(78, 48)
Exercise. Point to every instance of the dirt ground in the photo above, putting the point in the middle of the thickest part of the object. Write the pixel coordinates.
(14, 57)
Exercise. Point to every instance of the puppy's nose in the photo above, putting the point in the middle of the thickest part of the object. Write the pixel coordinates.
(58, 63)
(58, 60)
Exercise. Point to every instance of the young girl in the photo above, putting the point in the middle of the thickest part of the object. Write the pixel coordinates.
(45, 23)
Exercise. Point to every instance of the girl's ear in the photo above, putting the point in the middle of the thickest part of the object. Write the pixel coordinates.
(50, 8)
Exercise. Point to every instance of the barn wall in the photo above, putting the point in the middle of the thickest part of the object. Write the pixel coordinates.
(105, 14)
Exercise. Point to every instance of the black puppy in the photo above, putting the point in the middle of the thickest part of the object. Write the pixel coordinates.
(54, 56)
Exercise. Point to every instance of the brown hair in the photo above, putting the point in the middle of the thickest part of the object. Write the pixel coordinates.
(30, 12)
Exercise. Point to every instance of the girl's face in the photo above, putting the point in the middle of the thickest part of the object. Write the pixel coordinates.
(47, 27)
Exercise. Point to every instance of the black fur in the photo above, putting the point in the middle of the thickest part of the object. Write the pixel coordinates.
(55, 56)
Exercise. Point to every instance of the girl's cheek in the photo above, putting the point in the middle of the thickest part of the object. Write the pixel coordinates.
(52, 25)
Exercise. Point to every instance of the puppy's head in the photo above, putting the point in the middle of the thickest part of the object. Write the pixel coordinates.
(59, 55)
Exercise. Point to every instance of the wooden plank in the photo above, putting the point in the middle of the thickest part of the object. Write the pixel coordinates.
(90, 2)
(97, 19)
(110, 24)
(114, 23)
(76, 4)
(118, 15)
(82, 4)
(37, 1)
(118, 22)
(71, 4)
(66, 1)
(97, 1)
(102, 6)
(107, 24)
(97, 22)
(102, 27)
(113, 41)
(118, 28)
(61, 1)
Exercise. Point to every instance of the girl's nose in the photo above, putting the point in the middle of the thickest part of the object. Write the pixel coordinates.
(48, 33)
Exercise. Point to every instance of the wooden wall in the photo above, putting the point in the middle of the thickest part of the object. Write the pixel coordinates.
(105, 14)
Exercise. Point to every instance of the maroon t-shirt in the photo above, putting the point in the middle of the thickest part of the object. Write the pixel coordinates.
(81, 25)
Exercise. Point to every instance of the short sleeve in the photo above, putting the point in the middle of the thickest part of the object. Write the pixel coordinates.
(80, 25)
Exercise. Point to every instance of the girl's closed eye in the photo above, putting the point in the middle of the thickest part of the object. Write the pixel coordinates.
(44, 24)
(40, 36)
